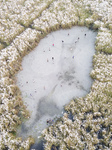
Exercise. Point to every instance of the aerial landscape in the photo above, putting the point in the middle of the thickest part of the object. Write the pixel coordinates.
(55, 74)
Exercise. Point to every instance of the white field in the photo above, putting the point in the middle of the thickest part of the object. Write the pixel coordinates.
(54, 74)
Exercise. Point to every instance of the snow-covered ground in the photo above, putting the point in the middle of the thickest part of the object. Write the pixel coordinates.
(56, 71)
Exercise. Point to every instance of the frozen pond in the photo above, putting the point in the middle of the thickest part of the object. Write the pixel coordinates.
(54, 73)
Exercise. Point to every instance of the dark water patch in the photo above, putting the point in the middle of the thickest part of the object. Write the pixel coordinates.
(38, 146)
(70, 116)
(88, 129)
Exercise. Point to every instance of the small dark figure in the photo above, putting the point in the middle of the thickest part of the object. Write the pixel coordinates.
(78, 38)
(27, 82)
(68, 33)
(85, 34)
(62, 41)
(52, 58)
(49, 121)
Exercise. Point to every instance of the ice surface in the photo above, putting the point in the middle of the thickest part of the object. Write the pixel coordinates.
(56, 71)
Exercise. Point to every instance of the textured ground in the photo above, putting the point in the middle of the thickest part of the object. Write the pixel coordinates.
(23, 23)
